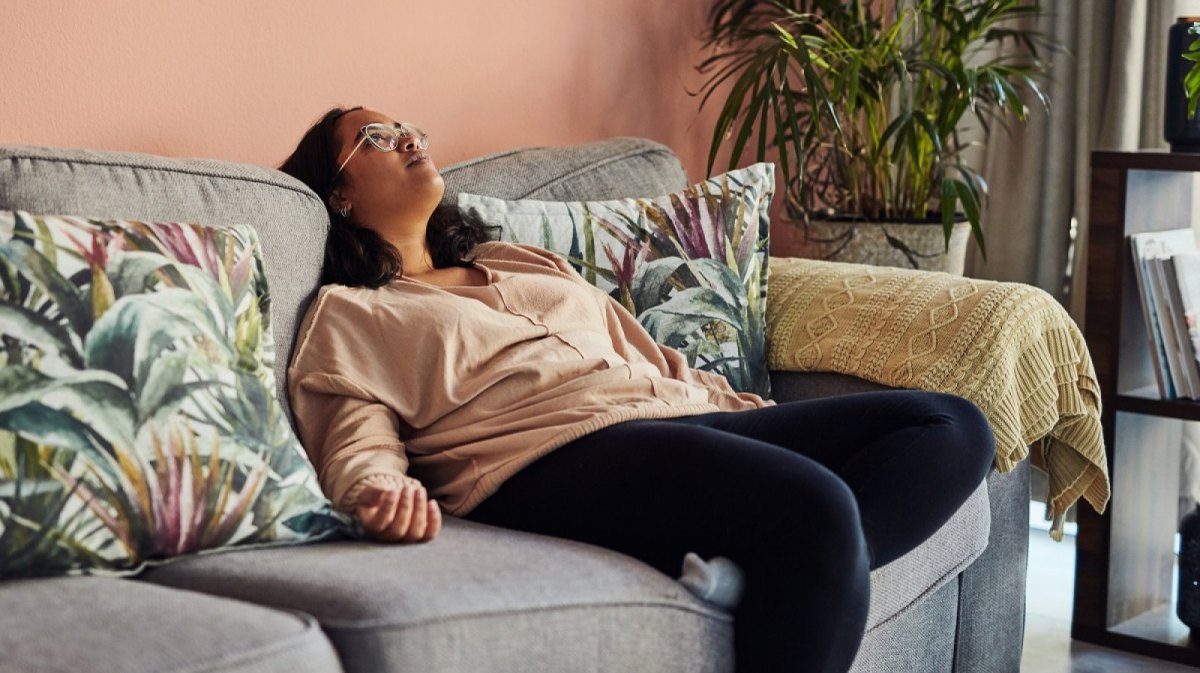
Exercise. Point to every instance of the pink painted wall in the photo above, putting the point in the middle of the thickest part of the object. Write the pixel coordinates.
(240, 79)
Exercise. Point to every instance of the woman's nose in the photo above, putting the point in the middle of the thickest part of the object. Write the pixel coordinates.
(410, 143)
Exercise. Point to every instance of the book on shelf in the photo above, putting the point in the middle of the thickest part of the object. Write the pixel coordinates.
(1182, 355)
(1187, 275)
(1164, 262)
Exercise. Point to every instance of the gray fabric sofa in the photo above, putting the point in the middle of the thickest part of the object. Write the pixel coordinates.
(478, 598)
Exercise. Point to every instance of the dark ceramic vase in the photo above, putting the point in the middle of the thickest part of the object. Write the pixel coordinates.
(1182, 133)
(1188, 607)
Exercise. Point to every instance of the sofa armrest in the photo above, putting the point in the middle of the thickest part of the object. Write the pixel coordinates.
(1010, 348)
(991, 591)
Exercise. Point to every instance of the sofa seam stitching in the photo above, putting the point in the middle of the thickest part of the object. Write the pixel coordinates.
(941, 582)
(363, 625)
(958, 623)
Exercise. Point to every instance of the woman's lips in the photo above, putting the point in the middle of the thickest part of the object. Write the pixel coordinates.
(418, 159)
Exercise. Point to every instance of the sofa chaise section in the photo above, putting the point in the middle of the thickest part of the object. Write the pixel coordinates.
(70, 624)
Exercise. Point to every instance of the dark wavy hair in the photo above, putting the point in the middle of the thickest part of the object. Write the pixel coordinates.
(356, 255)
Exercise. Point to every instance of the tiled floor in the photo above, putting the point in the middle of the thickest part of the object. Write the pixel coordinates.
(1048, 644)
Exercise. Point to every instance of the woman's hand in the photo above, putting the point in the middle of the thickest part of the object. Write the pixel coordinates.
(399, 513)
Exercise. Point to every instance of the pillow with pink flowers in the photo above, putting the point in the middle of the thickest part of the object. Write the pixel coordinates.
(692, 265)
(138, 418)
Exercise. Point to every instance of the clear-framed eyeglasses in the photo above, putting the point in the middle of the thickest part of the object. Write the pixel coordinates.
(387, 138)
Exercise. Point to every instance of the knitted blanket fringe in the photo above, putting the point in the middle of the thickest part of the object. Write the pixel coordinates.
(1008, 347)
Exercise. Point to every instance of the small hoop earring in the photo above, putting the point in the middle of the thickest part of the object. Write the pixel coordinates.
(344, 211)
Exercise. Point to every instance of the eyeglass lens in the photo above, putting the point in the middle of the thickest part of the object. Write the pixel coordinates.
(387, 138)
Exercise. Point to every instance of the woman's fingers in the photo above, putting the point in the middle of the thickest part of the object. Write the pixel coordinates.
(403, 513)
(379, 517)
(420, 510)
(435, 520)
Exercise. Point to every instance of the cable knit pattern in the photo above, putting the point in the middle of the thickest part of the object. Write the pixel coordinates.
(1008, 347)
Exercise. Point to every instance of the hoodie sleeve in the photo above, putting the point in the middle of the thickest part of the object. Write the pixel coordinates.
(352, 441)
(351, 438)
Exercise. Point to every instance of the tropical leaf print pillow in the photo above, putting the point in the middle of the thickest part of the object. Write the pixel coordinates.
(692, 266)
(138, 419)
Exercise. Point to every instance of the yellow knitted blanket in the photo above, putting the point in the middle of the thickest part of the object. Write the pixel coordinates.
(1008, 347)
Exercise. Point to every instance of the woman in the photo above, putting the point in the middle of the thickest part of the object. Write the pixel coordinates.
(493, 378)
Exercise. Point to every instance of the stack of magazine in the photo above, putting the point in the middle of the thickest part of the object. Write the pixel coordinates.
(1167, 266)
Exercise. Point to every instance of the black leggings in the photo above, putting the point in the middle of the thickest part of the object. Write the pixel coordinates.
(806, 497)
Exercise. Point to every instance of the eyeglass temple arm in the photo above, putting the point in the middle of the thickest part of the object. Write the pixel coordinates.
(352, 152)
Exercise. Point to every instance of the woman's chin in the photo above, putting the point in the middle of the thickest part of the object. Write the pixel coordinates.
(427, 183)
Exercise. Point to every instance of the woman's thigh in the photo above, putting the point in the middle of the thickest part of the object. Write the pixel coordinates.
(911, 458)
(656, 490)
(843, 432)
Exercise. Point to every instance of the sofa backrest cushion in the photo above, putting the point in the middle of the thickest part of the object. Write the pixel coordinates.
(616, 168)
(290, 220)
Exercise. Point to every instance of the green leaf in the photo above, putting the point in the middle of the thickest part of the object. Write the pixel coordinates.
(29, 487)
(163, 389)
(949, 201)
(96, 398)
(971, 204)
(40, 332)
(784, 35)
(54, 427)
(896, 128)
(138, 329)
(930, 131)
(38, 270)
(1191, 84)
(686, 312)
(651, 282)
(131, 271)
(721, 279)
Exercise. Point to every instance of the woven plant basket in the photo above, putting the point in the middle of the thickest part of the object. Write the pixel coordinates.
(913, 245)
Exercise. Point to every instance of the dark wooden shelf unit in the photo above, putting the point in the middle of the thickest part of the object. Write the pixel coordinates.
(1125, 558)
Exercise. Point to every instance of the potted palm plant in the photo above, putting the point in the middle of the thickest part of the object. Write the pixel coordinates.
(865, 104)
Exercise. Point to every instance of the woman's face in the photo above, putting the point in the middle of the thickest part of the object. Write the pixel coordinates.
(402, 185)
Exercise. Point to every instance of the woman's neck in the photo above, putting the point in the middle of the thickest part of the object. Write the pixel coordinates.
(415, 254)
(416, 258)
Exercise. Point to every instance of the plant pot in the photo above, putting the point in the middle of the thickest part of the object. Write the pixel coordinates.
(913, 245)
(1182, 132)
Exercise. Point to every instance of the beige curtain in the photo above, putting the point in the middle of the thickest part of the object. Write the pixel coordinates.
(1106, 92)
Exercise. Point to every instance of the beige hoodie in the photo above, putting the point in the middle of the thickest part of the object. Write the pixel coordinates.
(461, 387)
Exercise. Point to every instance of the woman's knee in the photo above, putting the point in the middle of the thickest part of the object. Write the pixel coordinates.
(966, 430)
(823, 516)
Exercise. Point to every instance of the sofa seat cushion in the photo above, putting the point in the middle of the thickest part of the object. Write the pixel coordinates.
(69, 624)
(901, 584)
(476, 598)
